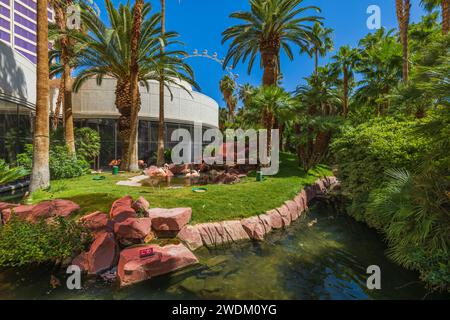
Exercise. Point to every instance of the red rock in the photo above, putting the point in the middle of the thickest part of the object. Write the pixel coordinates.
(81, 261)
(293, 209)
(220, 233)
(140, 204)
(275, 219)
(191, 237)
(21, 212)
(169, 219)
(320, 185)
(43, 210)
(102, 254)
(285, 215)
(133, 228)
(97, 222)
(6, 205)
(266, 222)
(133, 269)
(121, 209)
(254, 228)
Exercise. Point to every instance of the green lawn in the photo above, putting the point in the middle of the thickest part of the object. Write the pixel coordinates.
(220, 202)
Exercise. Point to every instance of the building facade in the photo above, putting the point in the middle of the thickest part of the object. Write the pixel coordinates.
(93, 106)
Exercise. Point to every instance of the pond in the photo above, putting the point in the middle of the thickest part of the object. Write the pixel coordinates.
(323, 257)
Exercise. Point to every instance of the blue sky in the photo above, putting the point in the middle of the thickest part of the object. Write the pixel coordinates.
(201, 22)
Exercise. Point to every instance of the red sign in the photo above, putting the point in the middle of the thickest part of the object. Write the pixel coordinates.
(146, 252)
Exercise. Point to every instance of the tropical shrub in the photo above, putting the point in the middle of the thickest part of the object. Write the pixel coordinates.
(8, 174)
(22, 242)
(63, 165)
(363, 154)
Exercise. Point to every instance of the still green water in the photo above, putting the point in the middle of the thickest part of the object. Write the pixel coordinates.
(325, 261)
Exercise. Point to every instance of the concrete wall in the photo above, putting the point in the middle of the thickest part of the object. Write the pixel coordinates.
(98, 101)
(17, 76)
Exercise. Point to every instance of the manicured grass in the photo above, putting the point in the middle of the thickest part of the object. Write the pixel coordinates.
(220, 202)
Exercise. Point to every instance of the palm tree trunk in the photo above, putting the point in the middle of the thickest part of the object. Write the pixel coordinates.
(403, 14)
(160, 154)
(60, 17)
(345, 71)
(269, 53)
(59, 101)
(134, 88)
(123, 105)
(40, 174)
(445, 4)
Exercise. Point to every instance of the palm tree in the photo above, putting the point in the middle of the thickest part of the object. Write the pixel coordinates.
(40, 174)
(106, 53)
(430, 5)
(160, 152)
(227, 87)
(269, 26)
(319, 45)
(380, 66)
(134, 86)
(65, 49)
(245, 93)
(346, 59)
(270, 102)
(403, 8)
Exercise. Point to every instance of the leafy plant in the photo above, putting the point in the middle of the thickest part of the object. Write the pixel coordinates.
(23, 243)
(8, 174)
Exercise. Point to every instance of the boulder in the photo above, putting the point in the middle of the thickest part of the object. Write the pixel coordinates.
(121, 209)
(221, 233)
(97, 222)
(42, 210)
(6, 205)
(103, 253)
(82, 261)
(293, 209)
(133, 228)
(285, 215)
(191, 237)
(140, 205)
(276, 222)
(169, 219)
(21, 212)
(133, 269)
(254, 227)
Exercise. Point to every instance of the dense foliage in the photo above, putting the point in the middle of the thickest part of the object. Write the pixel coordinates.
(9, 174)
(64, 165)
(22, 242)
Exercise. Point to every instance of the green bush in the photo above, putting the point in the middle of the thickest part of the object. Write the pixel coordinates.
(63, 165)
(363, 154)
(22, 242)
(8, 174)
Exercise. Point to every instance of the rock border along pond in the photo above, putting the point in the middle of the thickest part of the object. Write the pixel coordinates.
(130, 228)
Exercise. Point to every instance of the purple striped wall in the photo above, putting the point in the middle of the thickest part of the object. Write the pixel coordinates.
(5, 23)
(5, 36)
(25, 22)
(4, 11)
(30, 3)
(24, 10)
(26, 34)
(29, 56)
(5, 2)
(24, 44)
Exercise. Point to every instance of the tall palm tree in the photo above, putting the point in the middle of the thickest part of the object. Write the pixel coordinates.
(107, 53)
(40, 174)
(160, 151)
(269, 26)
(403, 8)
(319, 45)
(346, 59)
(228, 86)
(270, 102)
(134, 86)
(430, 5)
(64, 43)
